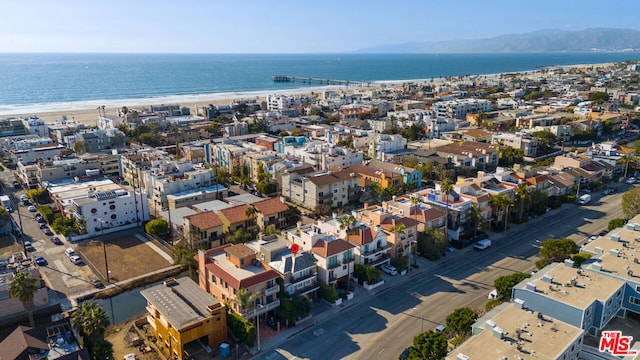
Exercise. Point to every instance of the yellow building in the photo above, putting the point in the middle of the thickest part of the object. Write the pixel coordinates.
(383, 178)
(179, 313)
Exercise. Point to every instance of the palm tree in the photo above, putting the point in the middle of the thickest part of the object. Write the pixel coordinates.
(447, 188)
(23, 287)
(521, 194)
(627, 159)
(476, 217)
(347, 222)
(252, 212)
(415, 200)
(245, 300)
(500, 203)
(398, 229)
(91, 321)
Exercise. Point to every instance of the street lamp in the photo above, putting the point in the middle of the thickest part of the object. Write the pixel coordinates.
(255, 308)
(104, 250)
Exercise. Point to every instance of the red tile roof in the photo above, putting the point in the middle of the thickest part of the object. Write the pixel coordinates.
(362, 236)
(245, 283)
(390, 222)
(426, 215)
(331, 248)
(204, 220)
(235, 214)
(271, 206)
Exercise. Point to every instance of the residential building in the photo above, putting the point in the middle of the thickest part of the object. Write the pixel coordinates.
(195, 196)
(383, 143)
(10, 306)
(470, 154)
(45, 152)
(384, 178)
(299, 273)
(95, 140)
(585, 299)
(426, 216)
(180, 313)
(370, 245)
(409, 175)
(322, 190)
(473, 135)
(400, 242)
(203, 230)
(235, 218)
(523, 141)
(225, 270)
(271, 212)
(195, 180)
(52, 341)
(335, 259)
(82, 168)
(510, 331)
(12, 127)
(35, 126)
(458, 109)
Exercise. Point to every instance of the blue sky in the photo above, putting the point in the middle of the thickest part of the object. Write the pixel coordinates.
(273, 26)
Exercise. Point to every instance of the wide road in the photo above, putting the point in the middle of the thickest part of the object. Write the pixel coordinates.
(382, 327)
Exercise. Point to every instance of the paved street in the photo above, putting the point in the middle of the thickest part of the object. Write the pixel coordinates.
(62, 276)
(382, 325)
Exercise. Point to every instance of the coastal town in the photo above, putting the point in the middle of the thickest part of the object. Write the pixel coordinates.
(466, 217)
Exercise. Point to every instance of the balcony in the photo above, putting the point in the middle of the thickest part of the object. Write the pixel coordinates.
(376, 250)
(302, 278)
(261, 309)
(272, 290)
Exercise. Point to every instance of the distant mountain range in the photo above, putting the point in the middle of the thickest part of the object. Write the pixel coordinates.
(538, 41)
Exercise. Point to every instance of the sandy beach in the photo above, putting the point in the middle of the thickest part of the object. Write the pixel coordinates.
(87, 113)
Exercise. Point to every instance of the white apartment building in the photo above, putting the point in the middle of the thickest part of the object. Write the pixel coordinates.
(26, 142)
(527, 143)
(109, 211)
(382, 143)
(173, 184)
(458, 109)
(282, 102)
(45, 152)
(35, 126)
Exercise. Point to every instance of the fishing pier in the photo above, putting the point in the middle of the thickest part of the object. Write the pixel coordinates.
(321, 81)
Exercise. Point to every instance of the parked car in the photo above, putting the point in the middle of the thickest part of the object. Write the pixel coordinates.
(43, 225)
(48, 232)
(604, 232)
(96, 283)
(29, 247)
(31, 208)
(405, 354)
(16, 184)
(389, 270)
(56, 240)
(41, 261)
(440, 328)
(75, 259)
(23, 197)
(26, 202)
(69, 251)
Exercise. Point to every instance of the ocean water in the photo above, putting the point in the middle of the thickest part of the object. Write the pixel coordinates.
(41, 82)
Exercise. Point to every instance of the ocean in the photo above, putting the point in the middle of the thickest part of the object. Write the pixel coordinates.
(48, 82)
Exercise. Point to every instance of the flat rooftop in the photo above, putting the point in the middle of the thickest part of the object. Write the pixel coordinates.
(575, 287)
(618, 252)
(246, 272)
(213, 205)
(181, 302)
(547, 338)
(191, 193)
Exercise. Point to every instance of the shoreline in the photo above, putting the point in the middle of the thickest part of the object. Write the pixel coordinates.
(86, 111)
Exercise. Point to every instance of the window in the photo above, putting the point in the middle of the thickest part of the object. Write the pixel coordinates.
(332, 261)
(213, 279)
(634, 300)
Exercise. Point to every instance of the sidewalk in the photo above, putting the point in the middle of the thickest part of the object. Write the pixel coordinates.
(361, 295)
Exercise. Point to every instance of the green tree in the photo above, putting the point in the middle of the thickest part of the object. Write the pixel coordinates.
(546, 141)
(64, 225)
(432, 243)
(252, 212)
(616, 223)
(245, 300)
(631, 203)
(184, 256)
(101, 350)
(491, 304)
(599, 97)
(292, 215)
(538, 201)
(270, 230)
(157, 227)
(347, 222)
(241, 328)
(476, 219)
(80, 147)
(510, 156)
(150, 139)
(460, 320)
(504, 284)
(40, 196)
(556, 250)
(91, 321)
(399, 229)
(578, 259)
(500, 204)
(23, 287)
(429, 345)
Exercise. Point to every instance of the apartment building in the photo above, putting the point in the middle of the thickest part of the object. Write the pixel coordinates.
(182, 314)
(426, 216)
(320, 189)
(382, 144)
(458, 109)
(193, 180)
(374, 216)
(299, 273)
(523, 141)
(470, 154)
(29, 156)
(203, 230)
(271, 212)
(582, 298)
(225, 270)
(510, 331)
(370, 245)
(381, 177)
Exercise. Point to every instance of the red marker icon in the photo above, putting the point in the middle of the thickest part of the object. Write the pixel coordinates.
(294, 249)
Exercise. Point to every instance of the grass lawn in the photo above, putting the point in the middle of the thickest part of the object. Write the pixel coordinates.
(128, 257)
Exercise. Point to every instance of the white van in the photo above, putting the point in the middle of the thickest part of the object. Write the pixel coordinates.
(482, 244)
(69, 251)
(493, 295)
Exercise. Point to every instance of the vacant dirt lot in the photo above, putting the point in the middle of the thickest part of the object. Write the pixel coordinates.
(127, 256)
(8, 246)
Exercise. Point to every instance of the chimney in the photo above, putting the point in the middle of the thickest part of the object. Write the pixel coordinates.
(365, 206)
